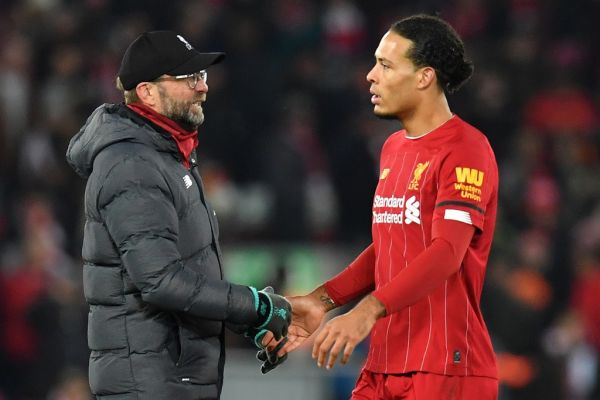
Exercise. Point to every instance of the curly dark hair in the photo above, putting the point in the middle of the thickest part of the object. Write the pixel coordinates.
(436, 44)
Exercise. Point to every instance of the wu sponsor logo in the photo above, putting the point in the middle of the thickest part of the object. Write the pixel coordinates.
(470, 176)
(417, 174)
(188, 181)
(468, 183)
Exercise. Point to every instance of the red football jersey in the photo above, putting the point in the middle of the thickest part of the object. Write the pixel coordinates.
(449, 173)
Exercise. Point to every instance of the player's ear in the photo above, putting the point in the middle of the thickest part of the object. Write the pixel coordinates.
(426, 76)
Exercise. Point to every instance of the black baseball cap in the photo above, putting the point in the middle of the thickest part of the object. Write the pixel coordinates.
(158, 53)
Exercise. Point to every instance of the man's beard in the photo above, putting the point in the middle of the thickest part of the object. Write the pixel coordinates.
(182, 112)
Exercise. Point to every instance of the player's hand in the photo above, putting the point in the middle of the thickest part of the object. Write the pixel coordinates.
(343, 333)
(307, 316)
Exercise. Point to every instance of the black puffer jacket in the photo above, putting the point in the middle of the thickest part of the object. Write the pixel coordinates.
(152, 265)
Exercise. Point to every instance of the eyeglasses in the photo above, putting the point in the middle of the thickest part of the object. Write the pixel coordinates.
(192, 79)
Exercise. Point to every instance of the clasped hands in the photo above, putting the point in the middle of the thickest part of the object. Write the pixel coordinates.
(340, 335)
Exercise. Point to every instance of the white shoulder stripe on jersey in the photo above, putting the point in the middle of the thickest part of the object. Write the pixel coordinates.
(458, 215)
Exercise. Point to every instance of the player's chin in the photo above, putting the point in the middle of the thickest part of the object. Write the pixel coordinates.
(381, 113)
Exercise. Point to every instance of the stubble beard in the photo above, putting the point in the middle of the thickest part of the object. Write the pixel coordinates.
(185, 113)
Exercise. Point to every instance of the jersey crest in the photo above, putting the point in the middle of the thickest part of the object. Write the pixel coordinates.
(417, 174)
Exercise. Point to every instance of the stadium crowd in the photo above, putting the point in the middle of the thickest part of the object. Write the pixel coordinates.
(288, 151)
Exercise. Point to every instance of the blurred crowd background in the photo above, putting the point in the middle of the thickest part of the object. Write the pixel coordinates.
(289, 155)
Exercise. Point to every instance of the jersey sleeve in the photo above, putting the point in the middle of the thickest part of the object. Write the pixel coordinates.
(430, 269)
(355, 280)
(467, 180)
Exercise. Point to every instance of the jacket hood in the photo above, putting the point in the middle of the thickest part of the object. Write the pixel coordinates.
(110, 124)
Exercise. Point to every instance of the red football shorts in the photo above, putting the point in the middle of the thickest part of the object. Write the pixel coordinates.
(423, 386)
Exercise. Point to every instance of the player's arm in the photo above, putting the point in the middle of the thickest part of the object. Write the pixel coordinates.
(426, 272)
(355, 280)
(309, 311)
(429, 269)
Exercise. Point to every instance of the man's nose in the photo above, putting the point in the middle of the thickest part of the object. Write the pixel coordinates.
(201, 86)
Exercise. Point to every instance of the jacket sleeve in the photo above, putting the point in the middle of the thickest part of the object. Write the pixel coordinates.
(137, 207)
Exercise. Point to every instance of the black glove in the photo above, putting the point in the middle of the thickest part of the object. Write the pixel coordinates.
(274, 313)
(270, 359)
(256, 335)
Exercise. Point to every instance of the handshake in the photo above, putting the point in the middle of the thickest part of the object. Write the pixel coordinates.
(274, 315)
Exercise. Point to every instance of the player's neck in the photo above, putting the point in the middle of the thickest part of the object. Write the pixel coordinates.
(427, 117)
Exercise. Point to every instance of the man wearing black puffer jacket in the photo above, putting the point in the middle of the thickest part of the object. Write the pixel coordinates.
(152, 265)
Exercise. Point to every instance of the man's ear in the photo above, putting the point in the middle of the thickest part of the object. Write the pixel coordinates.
(426, 77)
(147, 93)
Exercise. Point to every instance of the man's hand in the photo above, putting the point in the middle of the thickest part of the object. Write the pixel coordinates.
(274, 313)
(263, 339)
(274, 317)
(270, 358)
(344, 332)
